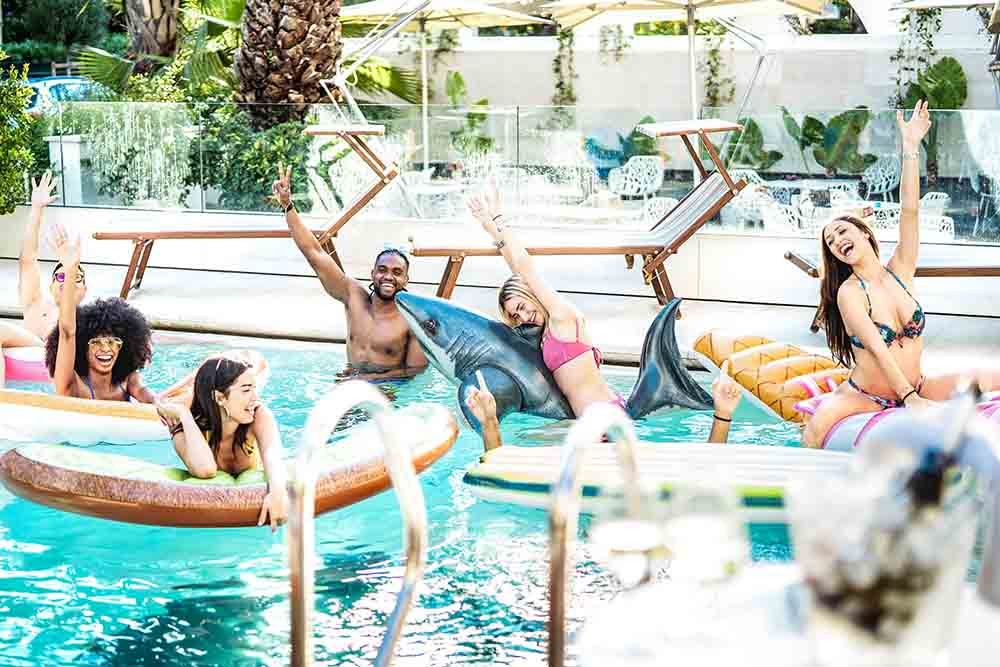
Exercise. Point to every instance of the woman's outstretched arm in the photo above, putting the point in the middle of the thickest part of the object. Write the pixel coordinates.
(274, 509)
(64, 378)
(189, 441)
(487, 209)
(904, 260)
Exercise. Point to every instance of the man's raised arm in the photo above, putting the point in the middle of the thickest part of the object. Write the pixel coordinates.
(336, 283)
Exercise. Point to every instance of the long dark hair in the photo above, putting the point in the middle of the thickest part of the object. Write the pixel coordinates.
(107, 317)
(835, 272)
(216, 374)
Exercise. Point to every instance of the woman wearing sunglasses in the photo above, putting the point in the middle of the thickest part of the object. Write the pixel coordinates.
(97, 350)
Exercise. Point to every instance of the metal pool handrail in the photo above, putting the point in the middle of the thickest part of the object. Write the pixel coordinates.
(301, 530)
(976, 442)
(598, 420)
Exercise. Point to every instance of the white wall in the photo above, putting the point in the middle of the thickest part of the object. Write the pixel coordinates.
(715, 266)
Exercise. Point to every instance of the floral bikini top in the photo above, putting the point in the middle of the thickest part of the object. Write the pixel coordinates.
(912, 329)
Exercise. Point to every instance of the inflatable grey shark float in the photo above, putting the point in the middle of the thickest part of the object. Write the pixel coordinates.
(459, 342)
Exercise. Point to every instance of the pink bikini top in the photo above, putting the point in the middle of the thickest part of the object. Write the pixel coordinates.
(556, 353)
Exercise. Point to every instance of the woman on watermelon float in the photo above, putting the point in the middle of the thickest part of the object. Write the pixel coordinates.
(872, 319)
(227, 428)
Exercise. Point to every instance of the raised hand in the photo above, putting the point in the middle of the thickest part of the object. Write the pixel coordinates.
(726, 392)
(481, 402)
(41, 191)
(914, 130)
(485, 207)
(66, 246)
(282, 188)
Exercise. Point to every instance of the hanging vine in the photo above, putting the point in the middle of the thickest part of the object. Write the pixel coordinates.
(719, 88)
(916, 49)
(613, 43)
(564, 71)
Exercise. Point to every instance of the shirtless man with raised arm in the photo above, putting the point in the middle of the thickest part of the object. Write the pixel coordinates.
(379, 343)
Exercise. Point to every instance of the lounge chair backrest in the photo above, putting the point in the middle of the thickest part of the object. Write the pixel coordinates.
(690, 213)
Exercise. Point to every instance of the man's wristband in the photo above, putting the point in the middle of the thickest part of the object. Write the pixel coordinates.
(176, 429)
(722, 419)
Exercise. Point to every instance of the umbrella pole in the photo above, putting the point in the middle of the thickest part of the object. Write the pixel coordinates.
(692, 61)
(424, 93)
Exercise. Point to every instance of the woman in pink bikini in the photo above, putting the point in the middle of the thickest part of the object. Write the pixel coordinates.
(525, 298)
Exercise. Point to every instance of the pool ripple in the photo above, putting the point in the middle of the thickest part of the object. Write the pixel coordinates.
(80, 591)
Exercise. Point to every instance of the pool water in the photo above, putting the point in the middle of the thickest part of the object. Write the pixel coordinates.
(81, 591)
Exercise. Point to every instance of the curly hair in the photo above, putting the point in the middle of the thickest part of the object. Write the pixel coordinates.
(105, 317)
(835, 274)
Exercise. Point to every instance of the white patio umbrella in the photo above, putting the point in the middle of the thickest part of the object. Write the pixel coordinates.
(438, 14)
(573, 13)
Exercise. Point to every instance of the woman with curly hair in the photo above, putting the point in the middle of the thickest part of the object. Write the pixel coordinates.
(96, 350)
(873, 321)
(227, 428)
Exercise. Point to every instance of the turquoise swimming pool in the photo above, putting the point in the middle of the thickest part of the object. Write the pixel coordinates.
(82, 591)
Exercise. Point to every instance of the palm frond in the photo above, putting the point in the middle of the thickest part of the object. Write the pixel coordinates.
(221, 15)
(207, 60)
(378, 76)
(105, 68)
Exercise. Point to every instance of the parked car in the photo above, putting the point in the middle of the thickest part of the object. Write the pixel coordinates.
(52, 90)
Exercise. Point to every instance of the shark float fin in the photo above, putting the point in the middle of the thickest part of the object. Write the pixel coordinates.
(504, 388)
(663, 379)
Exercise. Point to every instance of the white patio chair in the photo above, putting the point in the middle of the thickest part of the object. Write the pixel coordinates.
(657, 207)
(883, 177)
(933, 228)
(934, 203)
(747, 207)
(786, 219)
(641, 176)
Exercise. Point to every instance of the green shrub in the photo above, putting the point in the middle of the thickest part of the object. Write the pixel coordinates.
(243, 162)
(15, 136)
(65, 22)
(36, 51)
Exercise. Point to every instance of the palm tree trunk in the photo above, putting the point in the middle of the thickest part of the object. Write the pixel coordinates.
(153, 26)
(288, 47)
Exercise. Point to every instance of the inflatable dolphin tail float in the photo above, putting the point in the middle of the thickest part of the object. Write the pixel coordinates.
(459, 342)
(663, 379)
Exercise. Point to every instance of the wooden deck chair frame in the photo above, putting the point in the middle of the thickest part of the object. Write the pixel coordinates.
(352, 135)
(654, 251)
(929, 266)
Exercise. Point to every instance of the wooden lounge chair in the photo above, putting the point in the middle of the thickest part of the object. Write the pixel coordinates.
(142, 245)
(352, 135)
(655, 244)
(935, 262)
